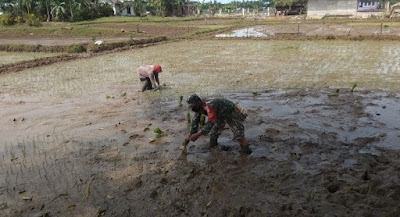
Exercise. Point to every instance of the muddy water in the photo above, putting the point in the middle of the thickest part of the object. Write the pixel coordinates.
(315, 153)
(313, 29)
(247, 32)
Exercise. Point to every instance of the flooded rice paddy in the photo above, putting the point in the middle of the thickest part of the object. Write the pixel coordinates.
(78, 140)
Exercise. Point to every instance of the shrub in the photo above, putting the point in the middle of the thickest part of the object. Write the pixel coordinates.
(92, 47)
(7, 19)
(19, 20)
(85, 14)
(76, 48)
(105, 10)
(33, 20)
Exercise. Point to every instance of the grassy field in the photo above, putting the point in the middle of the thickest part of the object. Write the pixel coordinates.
(112, 26)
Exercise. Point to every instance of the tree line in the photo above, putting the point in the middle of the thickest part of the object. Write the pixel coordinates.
(34, 12)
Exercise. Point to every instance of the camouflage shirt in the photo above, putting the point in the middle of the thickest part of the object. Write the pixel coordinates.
(217, 109)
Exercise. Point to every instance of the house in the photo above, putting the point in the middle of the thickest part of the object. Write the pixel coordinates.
(351, 8)
(121, 7)
(366, 5)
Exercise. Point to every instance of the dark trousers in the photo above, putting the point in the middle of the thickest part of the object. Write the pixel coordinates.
(146, 84)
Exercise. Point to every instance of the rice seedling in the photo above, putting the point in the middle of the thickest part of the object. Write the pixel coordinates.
(354, 86)
(180, 100)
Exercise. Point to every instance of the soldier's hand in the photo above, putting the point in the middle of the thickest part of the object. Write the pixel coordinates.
(194, 137)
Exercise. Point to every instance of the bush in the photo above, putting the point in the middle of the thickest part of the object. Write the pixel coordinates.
(105, 10)
(85, 14)
(33, 20)
(19, 20)
(76, 48)
(92, 47)
(7, 19)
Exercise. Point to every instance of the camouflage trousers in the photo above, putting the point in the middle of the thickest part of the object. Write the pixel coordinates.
(234, 123)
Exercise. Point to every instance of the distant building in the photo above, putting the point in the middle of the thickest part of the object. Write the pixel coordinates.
(121, 7)
(356, 8)
(371, 5)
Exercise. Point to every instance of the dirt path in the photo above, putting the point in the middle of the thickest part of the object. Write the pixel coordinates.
(314, 154)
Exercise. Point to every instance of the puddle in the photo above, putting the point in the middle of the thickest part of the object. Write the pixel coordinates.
(301, 141)
(240, 33)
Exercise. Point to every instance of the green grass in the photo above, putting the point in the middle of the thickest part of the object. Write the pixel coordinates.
(125, 19)
(377, 23)
(111, 27)
(63, 30)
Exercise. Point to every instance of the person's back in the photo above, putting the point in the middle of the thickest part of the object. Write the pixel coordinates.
(223, 107)
(219, 112)
(145, 71)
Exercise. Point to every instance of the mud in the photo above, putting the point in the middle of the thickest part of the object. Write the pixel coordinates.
(315, 30)
(314, 154)
(19, 66)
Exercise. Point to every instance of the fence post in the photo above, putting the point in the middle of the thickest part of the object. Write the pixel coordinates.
(298, 29)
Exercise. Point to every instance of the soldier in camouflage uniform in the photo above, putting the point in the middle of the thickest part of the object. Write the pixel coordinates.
(218, 112)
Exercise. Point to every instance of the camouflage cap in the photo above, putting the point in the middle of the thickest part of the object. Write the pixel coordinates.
(193, 99)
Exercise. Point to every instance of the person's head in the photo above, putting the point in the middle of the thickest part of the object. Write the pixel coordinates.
(195, 103)
(157, 68)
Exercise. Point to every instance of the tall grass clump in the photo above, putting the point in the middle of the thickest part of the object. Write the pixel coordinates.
(33, 20)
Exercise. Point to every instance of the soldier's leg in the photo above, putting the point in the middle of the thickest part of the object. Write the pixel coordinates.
(238, 131)
(215, 132)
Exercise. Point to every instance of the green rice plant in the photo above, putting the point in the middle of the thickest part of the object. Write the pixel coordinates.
(158, 132)
(336, 94)
(354, 86)
(180, 100)
(188, 118)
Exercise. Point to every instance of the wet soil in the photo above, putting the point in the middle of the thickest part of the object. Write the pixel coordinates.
(19, 66)
(56, 40)
(315, 153)
(125, 32)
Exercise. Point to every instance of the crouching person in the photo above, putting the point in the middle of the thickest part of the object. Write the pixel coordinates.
(148, 76)
(219, 112)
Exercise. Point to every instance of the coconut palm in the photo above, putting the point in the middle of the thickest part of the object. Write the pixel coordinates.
(58, 10)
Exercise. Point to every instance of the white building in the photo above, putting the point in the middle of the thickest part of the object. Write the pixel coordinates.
(357, 8)
(121, 7)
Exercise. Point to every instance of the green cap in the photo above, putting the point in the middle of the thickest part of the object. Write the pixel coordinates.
(193, 99)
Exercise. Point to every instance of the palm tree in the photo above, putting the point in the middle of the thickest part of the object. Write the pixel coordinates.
(28, 5)
(44, 4)
(71, 4)
(58, 9)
